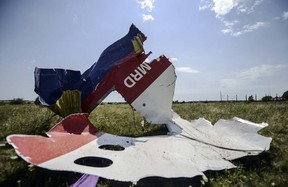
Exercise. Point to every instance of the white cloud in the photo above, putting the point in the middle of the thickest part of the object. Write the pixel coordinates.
(227, 30)
(257, 25)
(230, 23)
(263, 70)
(222, 8)
(186, 70)
(146, 4)
(173, 59)
(229, 27)
(238, 33)
(248, 6)
(205, 4)
(240, 78)
(147, 17)
(285, 15)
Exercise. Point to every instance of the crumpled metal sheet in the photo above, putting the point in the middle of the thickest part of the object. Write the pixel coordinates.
(175, 155)
(189, 149)
(51, 83)
(233, 138)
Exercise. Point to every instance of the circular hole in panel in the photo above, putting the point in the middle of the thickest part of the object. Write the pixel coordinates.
(112, 147)
(94, 161)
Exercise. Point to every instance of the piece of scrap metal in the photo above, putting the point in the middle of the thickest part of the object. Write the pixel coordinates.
(74, 144)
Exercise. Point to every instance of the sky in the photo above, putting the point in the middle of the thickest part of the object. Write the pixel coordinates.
(231, 48)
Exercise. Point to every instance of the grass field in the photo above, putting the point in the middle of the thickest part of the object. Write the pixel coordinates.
(267, 169)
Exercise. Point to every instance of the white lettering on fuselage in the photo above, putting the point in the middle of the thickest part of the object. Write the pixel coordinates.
(137, 75)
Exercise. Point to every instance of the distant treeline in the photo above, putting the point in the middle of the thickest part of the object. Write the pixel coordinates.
(21, 101)
(16, 101)
(251, 98)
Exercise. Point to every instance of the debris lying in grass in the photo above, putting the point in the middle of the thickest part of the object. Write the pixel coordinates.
(268, 169)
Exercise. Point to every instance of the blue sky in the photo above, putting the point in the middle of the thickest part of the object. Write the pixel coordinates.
(236, 47)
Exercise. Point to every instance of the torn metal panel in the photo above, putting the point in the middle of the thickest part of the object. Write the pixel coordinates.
(57, 143)
(168, 156)
(51, 83)
(74, 144)
(232, 138)
(163, 155)
(154, 102)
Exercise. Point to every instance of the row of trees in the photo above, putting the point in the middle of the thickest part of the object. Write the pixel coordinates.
(250, 99)
(16, 101)
(270, 98)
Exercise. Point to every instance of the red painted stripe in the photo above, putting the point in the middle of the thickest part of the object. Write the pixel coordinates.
(158, 66)
(75, 124)
(68, 135)
(116, 77)
(108, 83)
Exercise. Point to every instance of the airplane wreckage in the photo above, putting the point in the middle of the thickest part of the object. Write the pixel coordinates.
(74, 144)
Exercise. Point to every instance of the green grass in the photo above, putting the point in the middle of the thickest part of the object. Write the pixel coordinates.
(267, 169)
